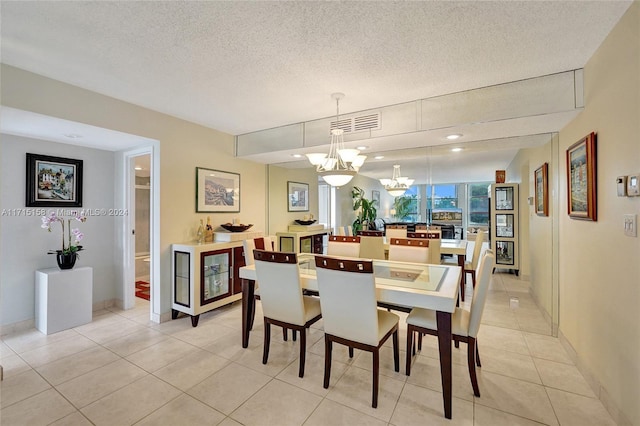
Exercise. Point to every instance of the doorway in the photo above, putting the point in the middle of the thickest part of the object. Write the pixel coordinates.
(142, 227)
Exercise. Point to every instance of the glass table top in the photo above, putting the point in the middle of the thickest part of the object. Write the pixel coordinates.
(396, 274)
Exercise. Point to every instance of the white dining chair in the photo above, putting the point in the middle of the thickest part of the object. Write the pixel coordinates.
(464, 324)
(470, 266)
(408, 250)
(350, 316)
(343, 246)
(371, 247)
(393, 232)
(283, 303)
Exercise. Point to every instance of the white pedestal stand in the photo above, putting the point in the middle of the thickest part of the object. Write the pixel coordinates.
(64, 299)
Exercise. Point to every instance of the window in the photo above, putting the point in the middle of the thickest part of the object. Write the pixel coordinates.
(478, 204)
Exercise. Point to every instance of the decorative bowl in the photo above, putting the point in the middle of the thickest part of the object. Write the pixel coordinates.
(236, 228)
(305, 222)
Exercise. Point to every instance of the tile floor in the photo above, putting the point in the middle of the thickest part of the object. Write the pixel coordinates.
(121, 370)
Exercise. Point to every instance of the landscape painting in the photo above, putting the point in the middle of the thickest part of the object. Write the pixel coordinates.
(53, 181)
(217, 191)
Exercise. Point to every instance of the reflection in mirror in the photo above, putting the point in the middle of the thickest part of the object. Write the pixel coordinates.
(453, 186)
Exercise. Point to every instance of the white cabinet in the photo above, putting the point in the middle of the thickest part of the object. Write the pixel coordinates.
(64, 298)
(504, 225)
(205, 277)
(302, 242)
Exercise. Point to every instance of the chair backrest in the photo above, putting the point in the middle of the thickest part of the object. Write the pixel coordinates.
(483, 277)
(340, 245)
(349, 231)
(262, 243)
(348, 299)
(248, 246)
(339, 230)
(280, 290)
(406, 250)
(371, 247)
(477, 248)
(435, 251)
(396, 231)
(425, 235)
(365, 233)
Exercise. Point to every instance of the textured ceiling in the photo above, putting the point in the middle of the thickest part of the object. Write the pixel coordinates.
(241, 67)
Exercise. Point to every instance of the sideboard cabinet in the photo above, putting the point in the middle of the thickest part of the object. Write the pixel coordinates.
(205, 277)
(302, 242)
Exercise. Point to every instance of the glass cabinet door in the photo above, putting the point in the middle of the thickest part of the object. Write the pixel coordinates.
(305, 245)
(214, 276)
(505, 254)
(181, 279)
(504, 225)
(504, 198)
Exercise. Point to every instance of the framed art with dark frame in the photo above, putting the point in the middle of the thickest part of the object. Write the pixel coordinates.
(53, 181)
(217, 191)
(581, 179)
(375, 198)
(297, 197)
(541, 178)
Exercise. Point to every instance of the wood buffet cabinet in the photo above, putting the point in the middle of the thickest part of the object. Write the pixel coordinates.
(302, 242)
(205, 277)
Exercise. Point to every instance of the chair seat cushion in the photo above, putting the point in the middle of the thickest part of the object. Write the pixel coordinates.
(426, 318)
(311, 307)
(386, 321)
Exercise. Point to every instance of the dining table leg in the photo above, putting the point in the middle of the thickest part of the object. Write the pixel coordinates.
(248, 308)
(443, 320)
(463, 278)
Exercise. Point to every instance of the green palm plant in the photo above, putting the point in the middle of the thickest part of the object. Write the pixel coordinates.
(366, 211)
(404, 206)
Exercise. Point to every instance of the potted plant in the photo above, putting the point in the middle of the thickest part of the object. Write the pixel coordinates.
(404, 206)
(366, 211)
(66, 257)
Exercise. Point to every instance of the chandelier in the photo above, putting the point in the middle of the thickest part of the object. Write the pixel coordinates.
(340, 165)
(397, 185)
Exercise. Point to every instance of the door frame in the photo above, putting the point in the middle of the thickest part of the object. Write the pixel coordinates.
(126, 224)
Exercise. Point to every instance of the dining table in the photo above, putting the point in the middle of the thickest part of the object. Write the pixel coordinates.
(414, 285)
(453, 247)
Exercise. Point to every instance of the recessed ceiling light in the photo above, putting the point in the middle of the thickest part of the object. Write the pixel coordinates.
(138, 168)
(456, 149)
(362, 148)
(454, 136)
(378, 157)
(72, 135)
(296, 155)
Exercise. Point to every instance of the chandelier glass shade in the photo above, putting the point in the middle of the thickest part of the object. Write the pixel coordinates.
(397, 185)
(340, 165)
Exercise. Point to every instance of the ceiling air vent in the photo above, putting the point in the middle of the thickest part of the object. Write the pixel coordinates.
(358, 124)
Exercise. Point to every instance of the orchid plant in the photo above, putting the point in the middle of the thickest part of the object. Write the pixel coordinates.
(70, 245)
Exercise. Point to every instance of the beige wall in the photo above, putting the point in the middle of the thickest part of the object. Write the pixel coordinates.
(599, 266)
(536, 232)
(183, 147)
(279, 216)
(344, 201)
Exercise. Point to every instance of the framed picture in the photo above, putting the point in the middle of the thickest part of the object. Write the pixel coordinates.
(297, 197)
(542, 190)
(217, 191)
(581, 178)
(375, 198)
(53, 181)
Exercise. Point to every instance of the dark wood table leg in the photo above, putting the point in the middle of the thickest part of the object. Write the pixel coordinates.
(463, 278)
(248, 305)
(443, 320)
